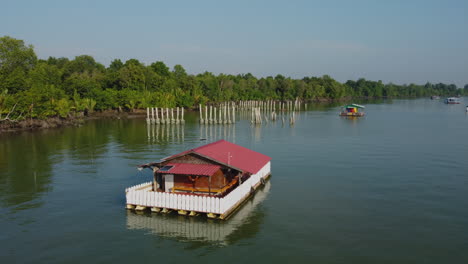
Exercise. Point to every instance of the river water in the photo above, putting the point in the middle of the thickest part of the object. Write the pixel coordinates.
(391, 187)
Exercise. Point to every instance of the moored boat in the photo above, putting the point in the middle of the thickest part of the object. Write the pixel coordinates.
(435, 97)
(352, 110)
(452, 100)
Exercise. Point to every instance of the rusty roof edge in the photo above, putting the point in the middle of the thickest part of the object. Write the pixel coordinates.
(217, 161)
(192, 151)
(176, 165)
(177, 155)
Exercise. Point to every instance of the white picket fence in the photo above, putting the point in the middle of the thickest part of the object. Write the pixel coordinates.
(142, 186)
(141, 195)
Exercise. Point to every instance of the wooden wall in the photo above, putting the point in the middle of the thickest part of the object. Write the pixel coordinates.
(202, 182)
(191, 159)
(219, 180)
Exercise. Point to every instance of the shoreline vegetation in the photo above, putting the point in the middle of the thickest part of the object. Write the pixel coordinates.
(43, 93)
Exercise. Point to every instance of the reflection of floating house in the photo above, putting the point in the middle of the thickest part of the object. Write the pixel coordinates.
(352, 110)
(248, 217)
(214, 179)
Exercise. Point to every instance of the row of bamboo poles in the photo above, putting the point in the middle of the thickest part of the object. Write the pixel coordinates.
(271, 105)
(164, 115)
(224, 114)
(161, 133)
(257, 118)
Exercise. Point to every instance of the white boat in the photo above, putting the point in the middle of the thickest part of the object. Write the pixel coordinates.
(452, 100)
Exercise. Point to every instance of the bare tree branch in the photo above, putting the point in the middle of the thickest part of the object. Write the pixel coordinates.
(7, 118)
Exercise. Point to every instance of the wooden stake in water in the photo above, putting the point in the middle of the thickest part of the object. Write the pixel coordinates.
(220, 118)
(157, 116)
(201, 116)
(183, 120)
(147, 115)
(172, 116)
(211, 114)
(215, 120)
(234, 114)
(225, 119)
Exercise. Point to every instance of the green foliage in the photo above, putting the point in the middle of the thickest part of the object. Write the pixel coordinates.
(161, 69)
(63, 107)
(45, 74)
(77, 103)
(16, 60)
(89, 105)
(3, 97)
(60, 87)
(132, 76)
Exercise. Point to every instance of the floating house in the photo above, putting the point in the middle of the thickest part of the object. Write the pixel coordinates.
(352, 110)
(249, 217)
(213, 179)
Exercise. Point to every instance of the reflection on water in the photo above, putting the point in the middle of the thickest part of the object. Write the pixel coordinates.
(395, 179)
(212, 133)
(158, 133)
(27, 160)
(191, 229)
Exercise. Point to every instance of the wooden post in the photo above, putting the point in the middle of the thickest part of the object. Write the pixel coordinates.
(177, 117)
(225, 119)
(155, 183)
(214, 116)
(172, 116)
(147, 115)
(252, 117)
(201, 115)
(209, 185)
(157, 116)
(168, 121)
(234, 114)
(183, 120)
(211, 114)
(220, 119)
(229, 116)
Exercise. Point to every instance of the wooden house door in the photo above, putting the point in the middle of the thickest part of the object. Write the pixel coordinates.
(168, 182)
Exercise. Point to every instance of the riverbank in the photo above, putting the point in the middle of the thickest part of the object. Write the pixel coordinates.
(76, 120)
(55, 122)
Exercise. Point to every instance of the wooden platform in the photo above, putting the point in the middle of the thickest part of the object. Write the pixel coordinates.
(141, 198)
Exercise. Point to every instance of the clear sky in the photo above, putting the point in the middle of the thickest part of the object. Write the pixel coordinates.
(389, 40)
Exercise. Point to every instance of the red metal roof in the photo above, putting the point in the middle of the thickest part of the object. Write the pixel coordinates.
(230, 154)
(191, 169)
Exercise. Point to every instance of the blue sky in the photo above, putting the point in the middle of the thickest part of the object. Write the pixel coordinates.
(389, 40)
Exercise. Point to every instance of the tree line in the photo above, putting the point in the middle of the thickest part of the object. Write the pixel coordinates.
(41, 88)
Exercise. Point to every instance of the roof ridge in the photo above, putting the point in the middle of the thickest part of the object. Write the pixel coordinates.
(191, 164)
(210, 144)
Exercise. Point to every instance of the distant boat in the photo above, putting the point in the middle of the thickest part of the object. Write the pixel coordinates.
(452, 100)
(435, 97)
(352, 110)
